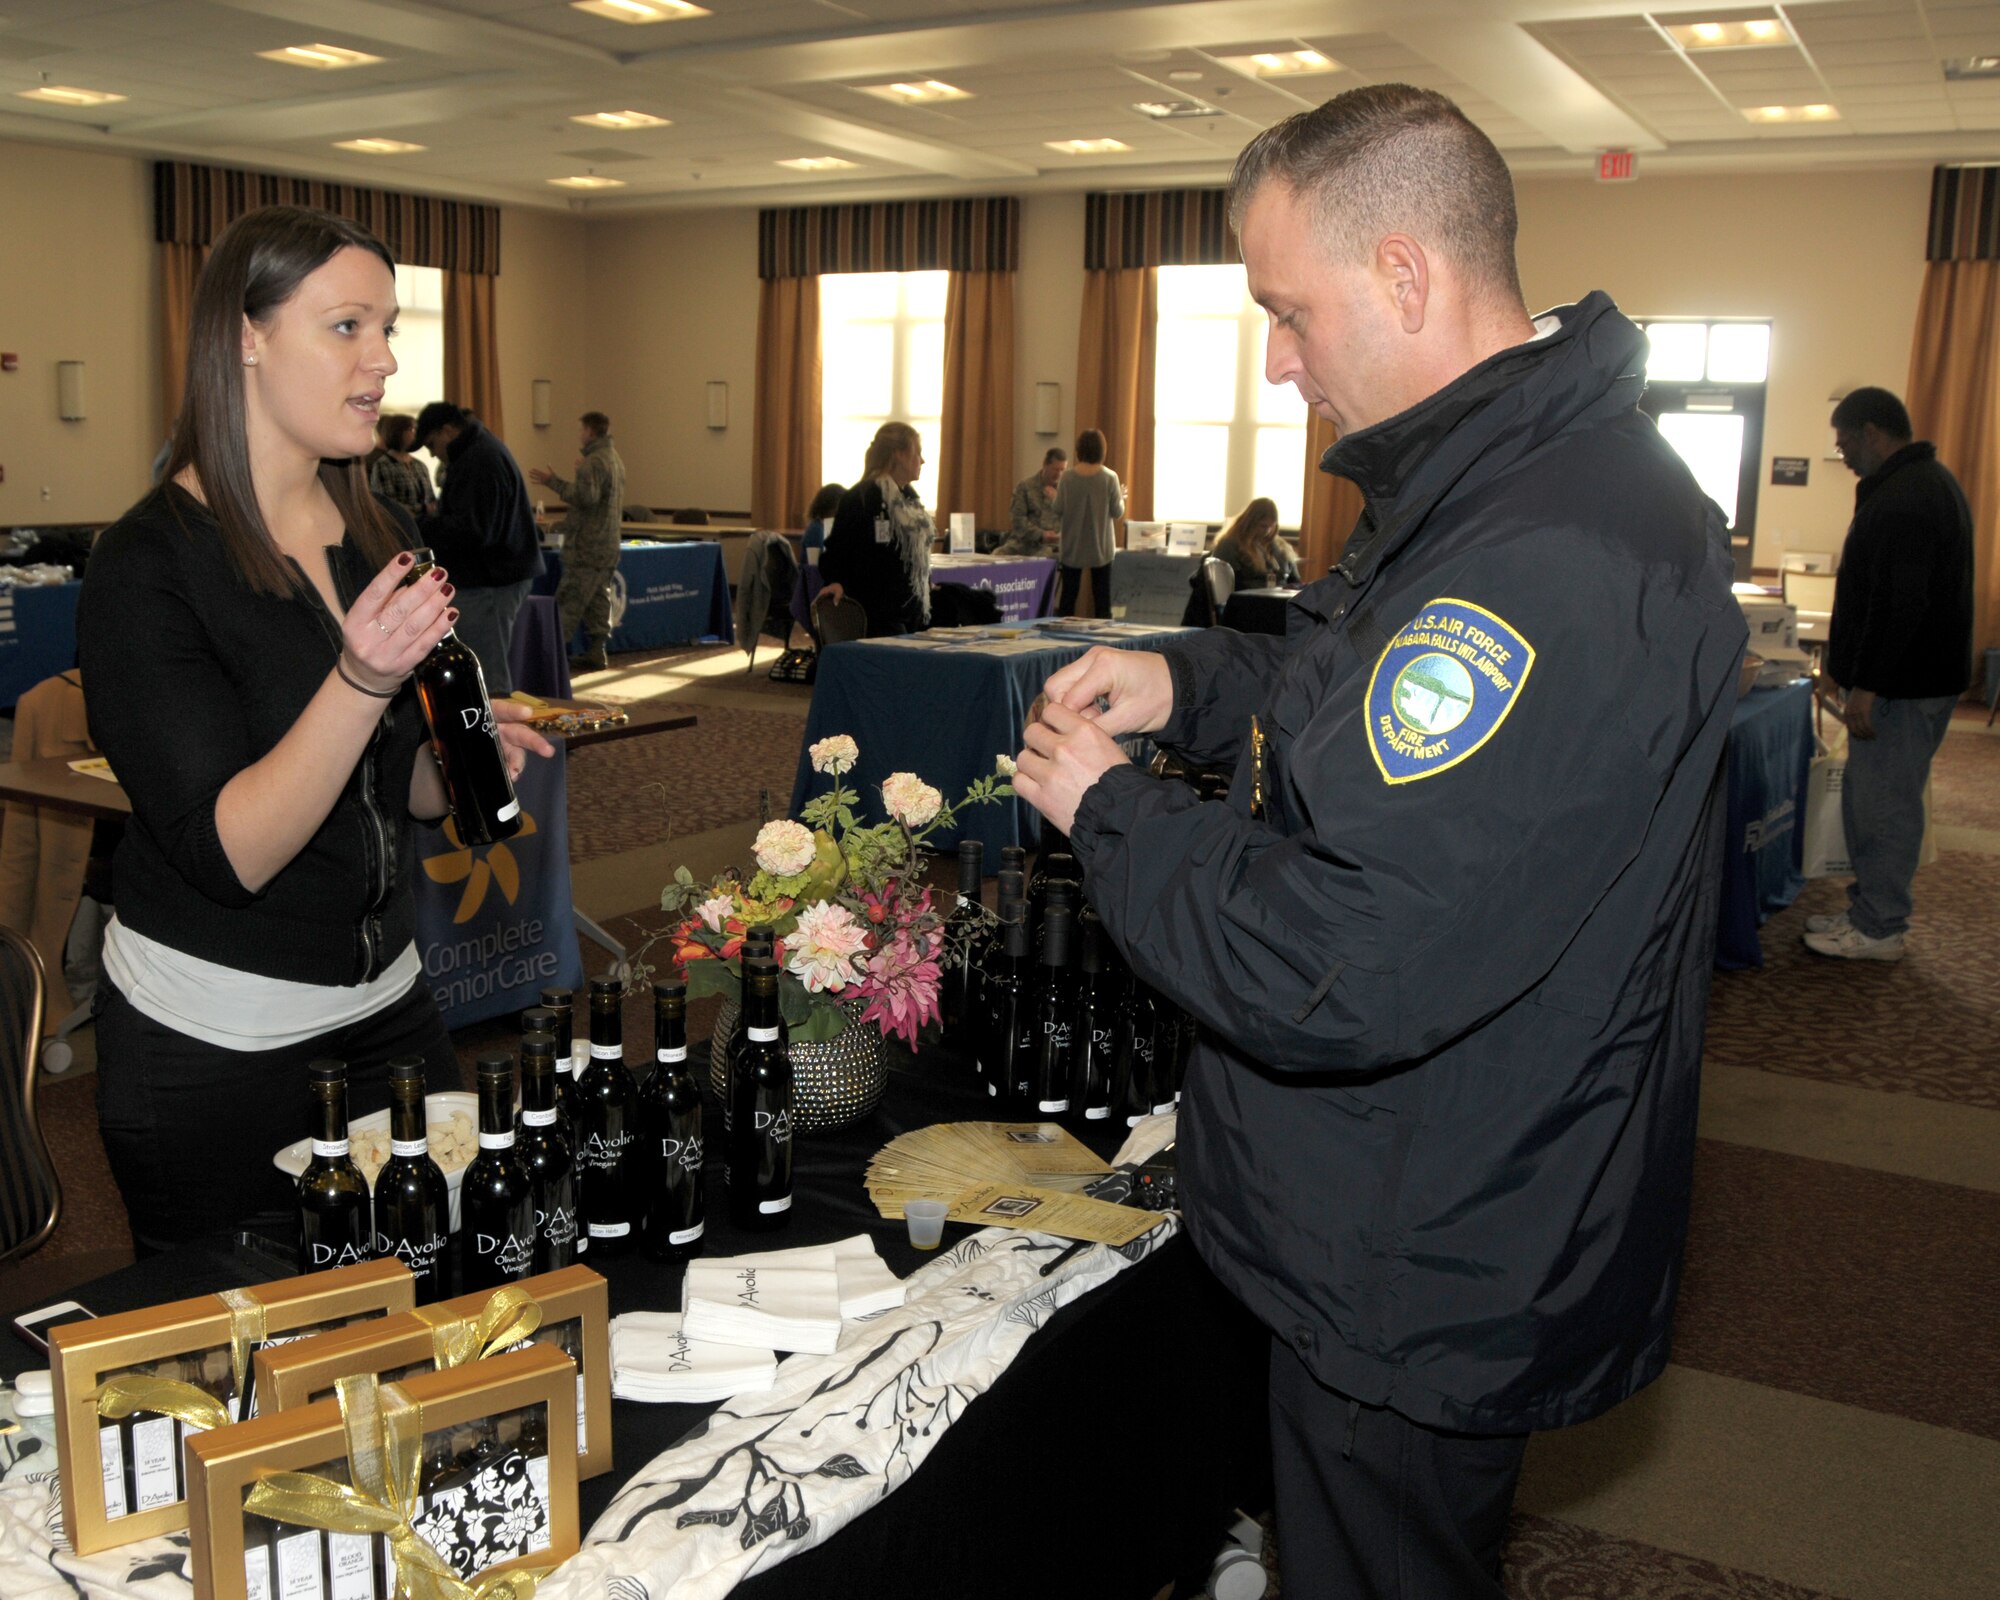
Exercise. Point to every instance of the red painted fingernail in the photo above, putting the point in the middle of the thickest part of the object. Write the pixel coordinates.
(437, 574)
(405, 559)
(450, 589)
(451, 615)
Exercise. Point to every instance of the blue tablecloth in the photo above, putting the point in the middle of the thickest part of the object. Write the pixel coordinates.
(674, 594)
(941, 711)
(37, 635)
(1770, 755)
(1025, 586)
(494, 925)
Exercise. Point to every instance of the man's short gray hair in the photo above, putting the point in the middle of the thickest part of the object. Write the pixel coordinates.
(1392, 158)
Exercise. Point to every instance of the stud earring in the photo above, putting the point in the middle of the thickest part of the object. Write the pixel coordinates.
(249, 361)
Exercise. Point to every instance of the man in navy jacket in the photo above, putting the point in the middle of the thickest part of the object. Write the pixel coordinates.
(1449, 938)
(483, 533)
(1898, 656)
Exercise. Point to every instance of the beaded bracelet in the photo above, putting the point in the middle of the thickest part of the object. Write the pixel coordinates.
(340, 666)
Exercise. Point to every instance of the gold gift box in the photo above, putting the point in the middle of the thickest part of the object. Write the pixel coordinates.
(572, 1297)
(84, 1355)
(225, 1465)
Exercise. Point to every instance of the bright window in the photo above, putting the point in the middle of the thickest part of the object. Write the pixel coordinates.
(419, 343)
(881, 360)
(1222, 435)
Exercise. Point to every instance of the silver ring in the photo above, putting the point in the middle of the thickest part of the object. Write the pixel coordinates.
(383, 625)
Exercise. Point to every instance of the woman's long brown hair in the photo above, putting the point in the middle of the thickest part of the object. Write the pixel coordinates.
(258, 265)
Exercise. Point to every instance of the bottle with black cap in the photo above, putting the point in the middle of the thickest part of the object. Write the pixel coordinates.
(1055, 1013)
(959, 997)
(496, 1210)
(1134, 1044)
(758, 944)
(1177, 1046)
(671, 1123)
(560, 1005)
(412, 1200)
(451, 688)
(1055, 864)
(607, 1129)
(334, 1227)
(1096, 1017)
(548, 1155)
(1009, 1062)
(760, 1140)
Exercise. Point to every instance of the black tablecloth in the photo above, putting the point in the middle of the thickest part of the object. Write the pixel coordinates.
(1104, 1462)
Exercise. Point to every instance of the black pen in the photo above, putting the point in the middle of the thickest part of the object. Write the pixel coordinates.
(1081, 1244)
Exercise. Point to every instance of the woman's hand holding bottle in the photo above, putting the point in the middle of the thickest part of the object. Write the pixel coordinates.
(393, 624)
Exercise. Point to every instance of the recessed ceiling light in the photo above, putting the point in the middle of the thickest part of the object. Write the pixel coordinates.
(1175, 110)
(588, 181)
(1087, 147)
(319, 57)
(1281, 63)
(622, 119)
(818, 164)
(1728, 34)
(61, 94)
(1185, 75)
(914, 91)
(1972, 67)
(377, 147)
(1812, 113)
(640, 10)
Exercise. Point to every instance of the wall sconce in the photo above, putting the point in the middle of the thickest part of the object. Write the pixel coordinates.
(718, 404)
(544, 402)
(69, 391)
(1048, 408)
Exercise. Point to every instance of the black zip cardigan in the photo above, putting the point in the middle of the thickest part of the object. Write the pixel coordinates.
(190, 677)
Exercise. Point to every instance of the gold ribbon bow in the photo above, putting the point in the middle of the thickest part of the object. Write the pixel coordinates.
(246, 1331)
(385, 1436)
(169, 1397)
(509, 1317)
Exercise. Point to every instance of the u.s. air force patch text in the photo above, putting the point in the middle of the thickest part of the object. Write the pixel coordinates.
(1442, 688)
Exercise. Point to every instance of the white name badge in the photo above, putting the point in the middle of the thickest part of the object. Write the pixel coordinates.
(881, 530)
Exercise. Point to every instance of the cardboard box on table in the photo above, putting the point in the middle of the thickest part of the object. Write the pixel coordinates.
(572, 1299)
(533, 1383)
(84, 1356)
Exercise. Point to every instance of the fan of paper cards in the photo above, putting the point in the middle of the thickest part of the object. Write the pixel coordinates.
(1005, 1175)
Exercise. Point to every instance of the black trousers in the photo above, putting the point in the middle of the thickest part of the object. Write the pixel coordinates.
(1070, 580)
(190, 1128)
(1372, 1506)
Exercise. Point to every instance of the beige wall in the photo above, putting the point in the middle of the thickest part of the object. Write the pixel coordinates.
(672, 305)
(539, 309)
(1835, 260)
(1048, 301)
(77, 283)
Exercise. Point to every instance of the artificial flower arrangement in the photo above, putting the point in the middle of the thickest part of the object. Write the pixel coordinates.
(850, 913)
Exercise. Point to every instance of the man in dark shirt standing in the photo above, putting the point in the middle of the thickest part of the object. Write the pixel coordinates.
(483, 532)
(1900, 650)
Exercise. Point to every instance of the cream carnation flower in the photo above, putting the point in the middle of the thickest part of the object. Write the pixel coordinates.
(783, 848)
(823, 949)
(910, 800)
(713, 910)
(835, 755)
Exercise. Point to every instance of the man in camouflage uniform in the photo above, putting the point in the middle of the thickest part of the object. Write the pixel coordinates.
(596, 500)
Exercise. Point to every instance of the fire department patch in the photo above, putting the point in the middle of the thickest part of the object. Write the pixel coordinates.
(1442, 688)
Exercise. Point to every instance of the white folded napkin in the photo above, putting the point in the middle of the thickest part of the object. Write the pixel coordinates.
(767, 1307)
(653, 1359)
(866, 1283)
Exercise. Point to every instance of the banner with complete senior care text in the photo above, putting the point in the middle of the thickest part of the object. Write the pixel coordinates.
(494, 925)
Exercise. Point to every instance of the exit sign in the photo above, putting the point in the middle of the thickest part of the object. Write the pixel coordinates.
(1616, 166)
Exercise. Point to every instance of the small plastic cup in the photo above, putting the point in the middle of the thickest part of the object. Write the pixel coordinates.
(925, 1220)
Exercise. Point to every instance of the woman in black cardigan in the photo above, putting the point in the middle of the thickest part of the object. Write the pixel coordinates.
(879, 552)
(247, 632)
